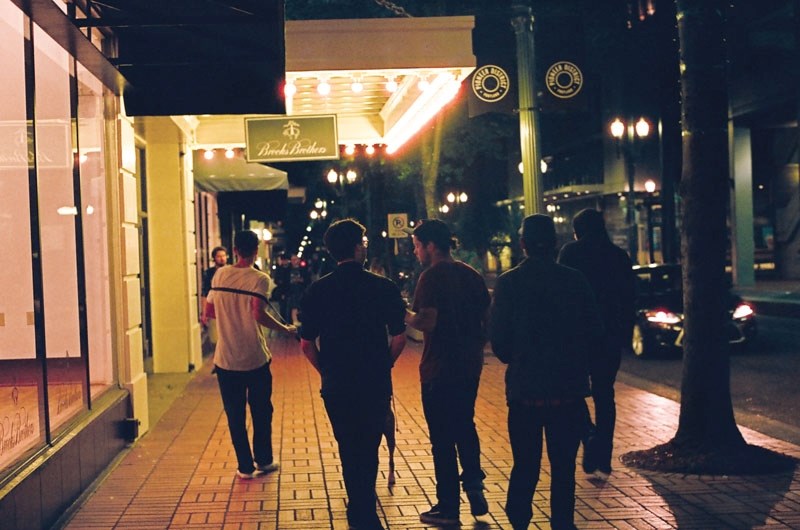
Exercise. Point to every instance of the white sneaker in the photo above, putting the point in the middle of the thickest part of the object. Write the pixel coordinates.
(600, 475)
(268, 468)
(247, 476)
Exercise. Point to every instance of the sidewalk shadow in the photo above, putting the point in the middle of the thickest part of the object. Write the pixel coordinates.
(736, 502)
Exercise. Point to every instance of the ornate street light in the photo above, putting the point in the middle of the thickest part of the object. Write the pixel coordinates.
(626, 133)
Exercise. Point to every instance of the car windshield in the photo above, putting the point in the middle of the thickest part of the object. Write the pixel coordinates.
(660, 285)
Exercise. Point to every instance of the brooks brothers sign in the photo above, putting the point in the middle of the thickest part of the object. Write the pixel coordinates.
(287, 138)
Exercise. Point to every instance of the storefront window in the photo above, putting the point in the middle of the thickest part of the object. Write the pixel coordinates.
(66, 369)
(21, 384)
(53, 225)
(91, 132)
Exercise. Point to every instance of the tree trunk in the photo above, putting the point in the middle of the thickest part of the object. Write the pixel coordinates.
(431, 153)
(706, 417)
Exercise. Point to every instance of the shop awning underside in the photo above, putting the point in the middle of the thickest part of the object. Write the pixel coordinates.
(196, 56)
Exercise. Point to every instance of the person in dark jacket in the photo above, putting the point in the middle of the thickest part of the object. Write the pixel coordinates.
(357, 317)
(544, 322)
(609, 271)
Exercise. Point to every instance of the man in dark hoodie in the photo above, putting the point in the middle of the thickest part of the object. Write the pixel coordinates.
(610, 273)
(544, 322)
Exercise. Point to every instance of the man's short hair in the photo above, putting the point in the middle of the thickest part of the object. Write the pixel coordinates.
(342, 237)
(538, 233)
(436, 232)
(245, 243)
(218, 249)
(588, 221)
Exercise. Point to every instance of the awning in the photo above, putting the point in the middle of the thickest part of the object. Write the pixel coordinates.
(196, 56)
(376, 70)
(216, 172)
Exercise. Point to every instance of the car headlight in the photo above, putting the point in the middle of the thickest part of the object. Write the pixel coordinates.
(662, 316)
(743, 311)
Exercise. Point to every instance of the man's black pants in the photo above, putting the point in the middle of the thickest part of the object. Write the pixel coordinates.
(600, 442)
(238, 389)
(449, 408)
(357, 423)
(562, 425)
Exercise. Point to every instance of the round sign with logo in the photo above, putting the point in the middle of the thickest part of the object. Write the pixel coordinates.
(490, 83)
(564, 79)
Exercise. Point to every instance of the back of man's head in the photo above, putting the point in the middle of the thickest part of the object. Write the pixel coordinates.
(436, 232)
(588, 222)
(538, 235)
(342, 237)
(246, 243)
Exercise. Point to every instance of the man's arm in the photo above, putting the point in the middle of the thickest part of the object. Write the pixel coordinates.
(208, 311)
(398, 342)
(258, 308)
(423, 320)
(311, 352)
(501, 331)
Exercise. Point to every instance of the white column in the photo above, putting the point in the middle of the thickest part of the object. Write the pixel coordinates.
(175, 328)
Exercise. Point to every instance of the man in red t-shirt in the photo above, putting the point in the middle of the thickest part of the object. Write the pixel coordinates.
(450, 308)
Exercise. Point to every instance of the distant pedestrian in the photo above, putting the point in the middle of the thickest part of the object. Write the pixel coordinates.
(610, 273)
(450, 308)
(282, 278)
(358, 318)
(219, 256)
(544, 323)
(238, 300)
(299, 280)
(376, 266)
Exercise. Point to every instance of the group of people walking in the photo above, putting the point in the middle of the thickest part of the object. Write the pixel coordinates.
(547, 321)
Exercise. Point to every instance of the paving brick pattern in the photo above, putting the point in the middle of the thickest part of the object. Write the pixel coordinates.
(181, 473)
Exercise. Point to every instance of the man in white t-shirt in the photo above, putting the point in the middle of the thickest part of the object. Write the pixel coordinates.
(238, 300)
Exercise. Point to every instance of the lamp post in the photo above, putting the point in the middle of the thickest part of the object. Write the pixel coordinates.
(625, 133)
(522, 22)
(454, 198)
(340, 181)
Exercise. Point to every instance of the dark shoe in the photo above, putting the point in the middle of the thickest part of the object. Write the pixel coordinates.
(439, 517)
(477, 503)
(602, 473)
(589, 461)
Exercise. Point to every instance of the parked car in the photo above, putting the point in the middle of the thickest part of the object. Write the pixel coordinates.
(659, 312)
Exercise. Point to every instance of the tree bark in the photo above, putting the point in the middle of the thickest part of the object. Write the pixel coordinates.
(706, 418)
(431, 153)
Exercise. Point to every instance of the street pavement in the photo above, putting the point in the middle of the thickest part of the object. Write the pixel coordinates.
(181, 473)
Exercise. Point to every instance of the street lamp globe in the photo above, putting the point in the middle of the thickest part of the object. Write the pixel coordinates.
(332, 176)
(617, 128)
(649, 186)
(314, 214)
(451, 197)
(351, 176)
(642, 128)
(463, 197)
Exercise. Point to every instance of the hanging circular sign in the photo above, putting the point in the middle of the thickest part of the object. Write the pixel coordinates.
(564, 79)
(490, 83)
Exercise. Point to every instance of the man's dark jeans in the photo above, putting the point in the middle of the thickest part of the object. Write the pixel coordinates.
(449, 408)
(357, 423)
(562, 425)
(600, 442)
(238, 389)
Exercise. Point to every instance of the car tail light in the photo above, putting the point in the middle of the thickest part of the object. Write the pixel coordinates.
(661, 316)
(743, 311)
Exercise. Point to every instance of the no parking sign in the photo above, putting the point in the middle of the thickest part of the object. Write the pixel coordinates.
(396, 223)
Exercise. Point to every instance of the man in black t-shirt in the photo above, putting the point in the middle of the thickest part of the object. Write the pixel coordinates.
(358, 318)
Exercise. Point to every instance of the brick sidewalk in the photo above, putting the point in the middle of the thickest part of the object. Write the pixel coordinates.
(181, 473)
